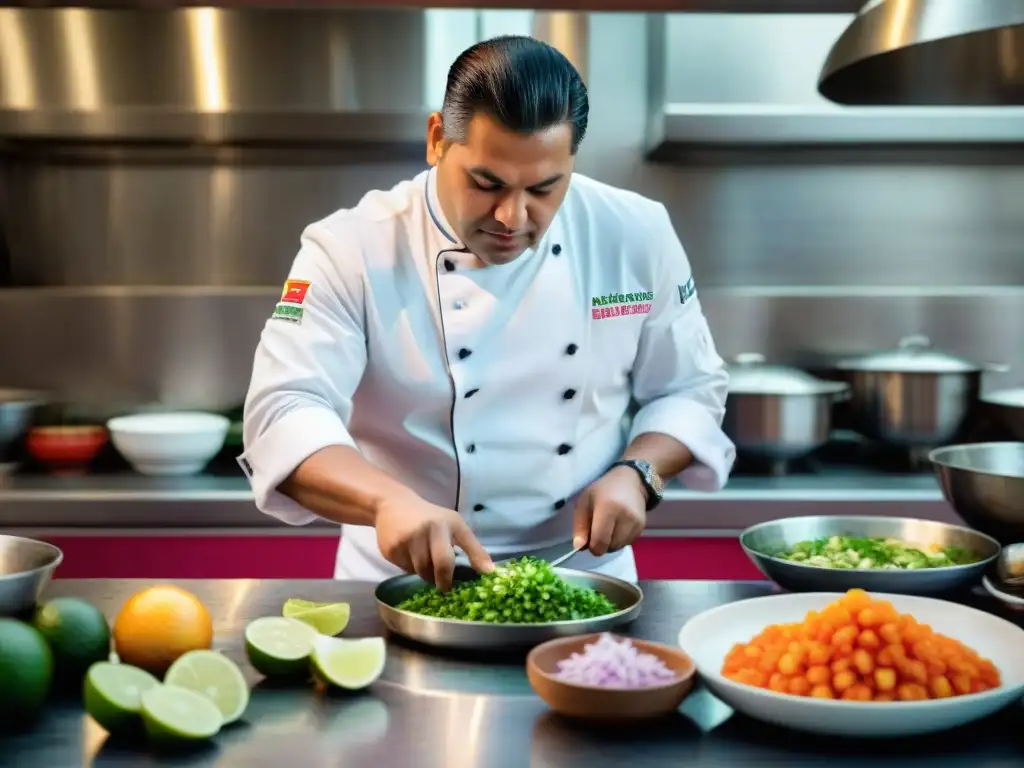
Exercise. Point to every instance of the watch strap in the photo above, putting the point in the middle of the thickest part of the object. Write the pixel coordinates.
(651, 482)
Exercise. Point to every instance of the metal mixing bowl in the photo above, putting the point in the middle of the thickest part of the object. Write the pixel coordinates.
(984, 483)
(1006, 408)
(479, 635)
(16, 409)
(26, 566)
(762, 542)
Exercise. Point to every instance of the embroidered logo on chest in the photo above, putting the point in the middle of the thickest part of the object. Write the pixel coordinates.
(620, 304)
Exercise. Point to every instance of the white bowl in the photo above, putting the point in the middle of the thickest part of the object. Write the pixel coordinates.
(709, 636)
(179, 443)
(1010, 600)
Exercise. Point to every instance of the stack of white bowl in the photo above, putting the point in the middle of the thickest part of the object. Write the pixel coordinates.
(178, 443)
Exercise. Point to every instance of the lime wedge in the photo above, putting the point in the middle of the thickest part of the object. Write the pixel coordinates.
(326, 618)
(174, 715)
(113, 695)
(294, 605)
(215, 676)
(350, 664)
(279, 647)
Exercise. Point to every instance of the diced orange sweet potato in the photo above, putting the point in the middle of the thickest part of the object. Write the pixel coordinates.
(859, 649)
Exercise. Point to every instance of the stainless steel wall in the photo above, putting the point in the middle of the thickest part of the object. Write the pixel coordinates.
(790, 257)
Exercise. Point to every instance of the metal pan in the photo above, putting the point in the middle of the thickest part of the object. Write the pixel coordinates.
(763, 541)
(479, 635)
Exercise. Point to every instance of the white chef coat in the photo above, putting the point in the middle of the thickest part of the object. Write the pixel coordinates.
(497, 391)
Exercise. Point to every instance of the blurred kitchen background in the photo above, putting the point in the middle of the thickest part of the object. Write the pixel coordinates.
(158, 165)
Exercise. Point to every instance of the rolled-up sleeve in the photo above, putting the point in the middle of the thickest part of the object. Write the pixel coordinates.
(679, 380)
(308, 363)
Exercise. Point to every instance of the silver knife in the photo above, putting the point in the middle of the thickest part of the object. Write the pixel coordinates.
(553, 563)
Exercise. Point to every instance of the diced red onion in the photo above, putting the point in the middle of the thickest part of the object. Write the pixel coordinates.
(614, 663)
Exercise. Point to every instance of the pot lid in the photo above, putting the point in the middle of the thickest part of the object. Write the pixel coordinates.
(929, 53)
(750, 375)
(914, 354)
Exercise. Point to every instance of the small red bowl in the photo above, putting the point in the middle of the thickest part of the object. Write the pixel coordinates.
(66, 449)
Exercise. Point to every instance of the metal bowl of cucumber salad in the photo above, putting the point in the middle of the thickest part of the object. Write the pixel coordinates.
(829, 553)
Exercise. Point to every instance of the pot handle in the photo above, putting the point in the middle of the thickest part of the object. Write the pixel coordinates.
(917, 341)
(996, 367)
(749, 358)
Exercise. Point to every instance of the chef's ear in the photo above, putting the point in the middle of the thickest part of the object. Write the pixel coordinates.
(435, 138)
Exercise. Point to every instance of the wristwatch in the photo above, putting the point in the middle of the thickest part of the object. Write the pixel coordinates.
(652, 481)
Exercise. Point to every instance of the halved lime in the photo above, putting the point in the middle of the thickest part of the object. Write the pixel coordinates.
(279, 647)
(326, 618)
(173, 715)
(113, 695)
(350, 664)
(214, 676)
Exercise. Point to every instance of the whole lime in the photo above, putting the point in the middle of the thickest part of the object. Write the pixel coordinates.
(26, 672)
(77, 633)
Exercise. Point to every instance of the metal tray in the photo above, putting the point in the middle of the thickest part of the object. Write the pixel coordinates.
(478, 635)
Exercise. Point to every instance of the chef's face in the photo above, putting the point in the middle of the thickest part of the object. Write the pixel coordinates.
(500, 189)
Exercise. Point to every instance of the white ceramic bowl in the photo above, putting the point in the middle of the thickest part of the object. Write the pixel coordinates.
(1010, 600)
(708, 637)
(179, 443)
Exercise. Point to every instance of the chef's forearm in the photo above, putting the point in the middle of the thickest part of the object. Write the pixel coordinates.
(338, 484)
(667, 455)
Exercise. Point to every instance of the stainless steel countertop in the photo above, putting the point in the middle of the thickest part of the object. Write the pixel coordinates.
(474, 711)
(124, 501)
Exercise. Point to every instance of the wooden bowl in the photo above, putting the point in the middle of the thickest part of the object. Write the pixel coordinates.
(66, 449)
(603, 703)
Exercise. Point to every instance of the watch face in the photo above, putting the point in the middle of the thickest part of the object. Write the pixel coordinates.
(652, 477)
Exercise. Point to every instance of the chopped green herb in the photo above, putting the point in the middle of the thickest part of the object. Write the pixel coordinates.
(874, 554)
(524, 591)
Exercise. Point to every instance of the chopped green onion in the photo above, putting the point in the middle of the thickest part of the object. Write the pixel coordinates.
(523, 591)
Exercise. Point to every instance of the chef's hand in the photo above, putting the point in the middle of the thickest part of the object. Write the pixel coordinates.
(610, 513)
(419, 537)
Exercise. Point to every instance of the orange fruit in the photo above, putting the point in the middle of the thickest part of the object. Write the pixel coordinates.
(159, 624)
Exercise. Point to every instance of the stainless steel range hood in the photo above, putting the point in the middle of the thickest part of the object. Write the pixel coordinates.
(750, 83)
(218, 76)
(929, 53)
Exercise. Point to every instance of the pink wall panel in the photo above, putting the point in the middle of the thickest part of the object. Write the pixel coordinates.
(312, 557)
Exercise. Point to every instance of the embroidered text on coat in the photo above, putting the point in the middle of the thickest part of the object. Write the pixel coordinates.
(620, 304)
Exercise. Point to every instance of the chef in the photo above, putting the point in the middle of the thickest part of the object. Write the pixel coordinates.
(448, 370)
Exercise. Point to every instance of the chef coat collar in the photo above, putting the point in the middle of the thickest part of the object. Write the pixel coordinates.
(448, 233)
(435, 211)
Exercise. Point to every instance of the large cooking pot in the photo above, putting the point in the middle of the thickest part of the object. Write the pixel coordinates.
(1006, 408)
(914, 396)
(776, 413)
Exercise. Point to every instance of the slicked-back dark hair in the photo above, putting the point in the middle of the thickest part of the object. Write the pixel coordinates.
(523, 83)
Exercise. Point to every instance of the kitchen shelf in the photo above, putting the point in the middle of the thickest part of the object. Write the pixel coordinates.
(209, 502)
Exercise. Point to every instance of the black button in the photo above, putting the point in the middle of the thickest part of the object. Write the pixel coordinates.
(563, 449)
(449, 265)
(556, 249)
(571, 349)
(478, 507)
(560, 503)
(472, 392)
(464, 353)
(569, 394)
(471, 448)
